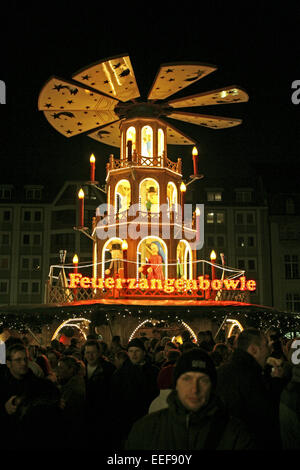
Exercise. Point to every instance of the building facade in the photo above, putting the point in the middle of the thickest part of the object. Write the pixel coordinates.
(34, 227)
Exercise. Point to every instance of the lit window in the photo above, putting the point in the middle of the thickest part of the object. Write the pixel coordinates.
(122, 196)
(131, 135)
(210, 217)
(220, 217)
(160, 142)
(147, 141)
(214, 196)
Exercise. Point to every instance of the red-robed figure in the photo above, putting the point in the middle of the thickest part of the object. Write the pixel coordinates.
(154, 268)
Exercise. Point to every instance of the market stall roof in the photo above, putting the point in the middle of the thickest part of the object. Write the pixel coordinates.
(103, 311)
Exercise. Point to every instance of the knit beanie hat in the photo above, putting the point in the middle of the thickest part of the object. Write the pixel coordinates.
(195, 360)
(136, 343)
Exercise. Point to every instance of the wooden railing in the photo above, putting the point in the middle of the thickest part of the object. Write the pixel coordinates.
(140, 160)
(63, 295)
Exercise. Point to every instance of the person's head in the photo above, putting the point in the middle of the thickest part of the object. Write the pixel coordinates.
(172, 355)
(44, 363)
(67, 367)
(53, 357)
(154, 249)
(116, 251)
(156, 334)
(165, 340)
(272, 333)
(17, 360)
(222, 349)
(254, 342)
(74, 342)
(136, 351)
(120, 357)
(201, 336)
(116, 340)
(168, 347)
(194, 379)
(92, 352)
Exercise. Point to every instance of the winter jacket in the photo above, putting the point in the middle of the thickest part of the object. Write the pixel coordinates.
(133, 388)
(289, 412)
(246, 395)
(98, 386)
(176, 428)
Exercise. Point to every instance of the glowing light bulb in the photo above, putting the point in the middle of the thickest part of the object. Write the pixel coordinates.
(182, 187)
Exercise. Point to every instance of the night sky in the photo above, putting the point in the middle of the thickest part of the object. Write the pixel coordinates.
(255, 47)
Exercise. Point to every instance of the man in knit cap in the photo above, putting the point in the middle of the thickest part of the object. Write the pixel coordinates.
(194, 419)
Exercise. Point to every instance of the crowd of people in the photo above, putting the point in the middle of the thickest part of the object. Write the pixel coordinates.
(153, 393)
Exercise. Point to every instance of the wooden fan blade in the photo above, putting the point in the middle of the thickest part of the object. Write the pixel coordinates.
(175, 136)
(214, 122)
(71, 123)
(226, 95)
(174, 77)
(109, 135)
(113, 76)
(59, 94)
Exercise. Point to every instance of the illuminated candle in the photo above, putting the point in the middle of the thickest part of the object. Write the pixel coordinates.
(92, 162)
(75, 262)
(213, 257)
(195, 160)
(81, 207)
(182, 192)
(125, 248)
